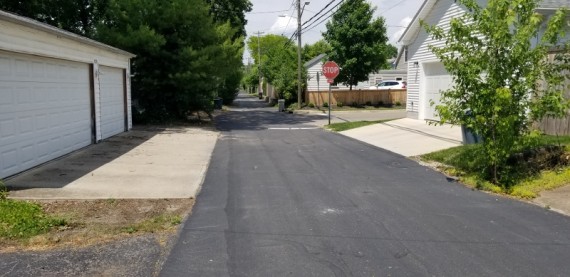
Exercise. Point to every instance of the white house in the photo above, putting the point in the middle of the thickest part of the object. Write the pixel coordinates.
(426, 74)
(59, 92)
(317, 82)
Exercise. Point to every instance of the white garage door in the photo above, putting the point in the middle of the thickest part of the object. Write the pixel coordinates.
(112, 101)
(45, 110)
(436, 80)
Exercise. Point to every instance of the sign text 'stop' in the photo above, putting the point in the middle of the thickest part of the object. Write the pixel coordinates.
(330, 70)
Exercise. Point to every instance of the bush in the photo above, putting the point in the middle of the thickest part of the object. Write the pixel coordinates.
(380, 103)
(339, 104)
(398, 103)
(368, 103)
(311, 105)
(3, 191)
(326, 104)
(354, 104)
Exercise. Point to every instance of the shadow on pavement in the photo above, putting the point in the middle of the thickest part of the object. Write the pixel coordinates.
(62, 171)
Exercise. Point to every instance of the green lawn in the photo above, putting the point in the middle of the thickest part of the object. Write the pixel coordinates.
(462, 162)
(343, 126)
(22, 219)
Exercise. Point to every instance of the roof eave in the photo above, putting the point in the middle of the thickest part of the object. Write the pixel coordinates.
(36, 25)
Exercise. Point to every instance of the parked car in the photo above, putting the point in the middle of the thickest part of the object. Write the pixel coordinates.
(390, 85)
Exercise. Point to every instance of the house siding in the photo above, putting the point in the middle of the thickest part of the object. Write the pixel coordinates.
(418, 51)
(312, 84)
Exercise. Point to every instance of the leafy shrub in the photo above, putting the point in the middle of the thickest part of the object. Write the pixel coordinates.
(368, 103)
(339, 104)
(354, 104)
(398, 103)
(326, 104)
(311, 105)
(380, 103)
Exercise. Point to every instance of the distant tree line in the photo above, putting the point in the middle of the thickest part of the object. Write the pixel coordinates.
(188, 51)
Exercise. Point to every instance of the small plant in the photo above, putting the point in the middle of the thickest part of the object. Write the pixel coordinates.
(326, 104)
(398, 103)
(354, 104)
(380, 103)
(311, 105)
(368, 103)
(3, 191)
(339, 104)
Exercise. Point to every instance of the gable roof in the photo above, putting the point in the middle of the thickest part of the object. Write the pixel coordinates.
(414, 27)
(315, 60)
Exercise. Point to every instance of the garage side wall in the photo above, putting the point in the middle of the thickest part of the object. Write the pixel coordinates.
(419, 53)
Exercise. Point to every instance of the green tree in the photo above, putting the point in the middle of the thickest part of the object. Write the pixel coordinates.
(497, 72)
(278, 63)
(178, 50)
(312, 50)
(359, 41)
(232, 11)
(77, 16)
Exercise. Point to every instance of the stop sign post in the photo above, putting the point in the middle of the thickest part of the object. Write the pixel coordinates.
(330, 71)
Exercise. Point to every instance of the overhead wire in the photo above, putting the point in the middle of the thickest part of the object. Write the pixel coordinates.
(308, 27)
(327, 5)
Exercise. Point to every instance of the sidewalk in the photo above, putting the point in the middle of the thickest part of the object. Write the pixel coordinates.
(408, 137)
(147, 162)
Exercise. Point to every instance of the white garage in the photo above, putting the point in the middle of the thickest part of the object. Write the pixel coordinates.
(436, 79)
(59, 92)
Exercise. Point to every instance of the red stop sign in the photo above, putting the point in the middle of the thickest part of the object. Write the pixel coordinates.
(330, 70)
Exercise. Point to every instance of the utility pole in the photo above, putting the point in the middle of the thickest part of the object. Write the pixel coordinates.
(260, 89)
(299, 54)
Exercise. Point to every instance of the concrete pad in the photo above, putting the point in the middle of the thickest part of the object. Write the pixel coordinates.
(557, 199)
(142, 163)
(408, 137)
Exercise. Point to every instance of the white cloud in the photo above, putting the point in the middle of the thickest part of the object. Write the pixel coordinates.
(403, 23)
(284, 24)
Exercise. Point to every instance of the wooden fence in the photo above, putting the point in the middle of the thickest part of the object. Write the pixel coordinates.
(560, 126)
(361, 97)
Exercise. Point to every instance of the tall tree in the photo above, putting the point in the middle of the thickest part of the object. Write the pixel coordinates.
(497, 72)
(312, 50)
(358, 41)
(278, 63)
(232, 11)
(178, 53)
(77, 16)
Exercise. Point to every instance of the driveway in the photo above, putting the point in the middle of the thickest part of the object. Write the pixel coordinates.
(408, 137)
(146, 162)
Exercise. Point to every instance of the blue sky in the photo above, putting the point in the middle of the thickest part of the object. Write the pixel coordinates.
(280, 17)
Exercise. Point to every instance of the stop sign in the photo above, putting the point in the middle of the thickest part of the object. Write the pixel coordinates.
(330, 70)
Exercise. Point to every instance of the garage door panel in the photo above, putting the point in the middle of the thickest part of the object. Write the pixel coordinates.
(112, 101)
(44, 110)
(436, 80)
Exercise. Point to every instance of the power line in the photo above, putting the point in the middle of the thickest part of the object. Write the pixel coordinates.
(318, 12)
(308, 27)
(397, 4)
(322, 16)
(269, 11)
(290, 16)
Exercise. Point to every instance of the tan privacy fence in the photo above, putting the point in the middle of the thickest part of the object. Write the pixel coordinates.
(361, 97)
(560, 126)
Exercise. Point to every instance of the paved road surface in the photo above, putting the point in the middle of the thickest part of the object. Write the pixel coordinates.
(307, 202)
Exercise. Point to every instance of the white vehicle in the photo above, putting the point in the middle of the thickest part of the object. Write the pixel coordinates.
(390, 85)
